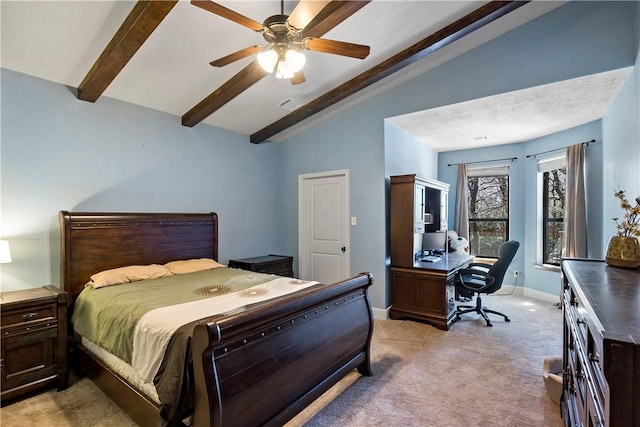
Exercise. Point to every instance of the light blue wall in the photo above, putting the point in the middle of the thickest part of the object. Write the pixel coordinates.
(59, 153)
(621, 156)
(349, 141)
(404, 154)
(523, 205)
(577, 39)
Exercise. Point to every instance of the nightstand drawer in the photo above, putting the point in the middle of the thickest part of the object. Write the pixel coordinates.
(29, 355)
(33, 330)
(29, 314)
(278, 271)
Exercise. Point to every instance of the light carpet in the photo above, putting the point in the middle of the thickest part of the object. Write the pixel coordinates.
(470, 375)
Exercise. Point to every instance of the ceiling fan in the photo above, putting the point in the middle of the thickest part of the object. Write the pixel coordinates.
(286, 39)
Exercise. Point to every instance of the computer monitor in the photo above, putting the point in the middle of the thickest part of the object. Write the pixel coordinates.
(436, 241)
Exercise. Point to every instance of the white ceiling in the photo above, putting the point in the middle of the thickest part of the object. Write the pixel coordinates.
(60, 40)
(515, 116)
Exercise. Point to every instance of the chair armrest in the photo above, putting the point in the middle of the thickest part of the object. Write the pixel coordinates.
(482, 275)
(473, 271)
(480, 265)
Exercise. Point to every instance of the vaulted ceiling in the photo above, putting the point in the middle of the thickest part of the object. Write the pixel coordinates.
(157, 53)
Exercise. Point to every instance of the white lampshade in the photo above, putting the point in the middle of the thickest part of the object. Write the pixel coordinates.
(295, 59)
(5, 253)
(284, 70)
(268, 60)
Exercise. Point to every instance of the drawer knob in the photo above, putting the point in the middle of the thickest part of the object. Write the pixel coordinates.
(28, 316)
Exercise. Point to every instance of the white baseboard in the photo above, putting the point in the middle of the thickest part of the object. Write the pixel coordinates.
(542, 296)
(529, 293)
(381, 313)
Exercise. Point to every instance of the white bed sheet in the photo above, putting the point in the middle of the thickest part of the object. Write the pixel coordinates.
(123, 369)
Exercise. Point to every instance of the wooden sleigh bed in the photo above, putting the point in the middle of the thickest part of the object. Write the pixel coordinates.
(261, 366)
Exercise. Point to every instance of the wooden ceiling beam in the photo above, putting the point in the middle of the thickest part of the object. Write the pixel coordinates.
(329, 17)
(143, 19)
(332, 15)
(246, 78)
(447, 35)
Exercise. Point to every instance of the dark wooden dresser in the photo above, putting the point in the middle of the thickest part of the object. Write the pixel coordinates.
(34, 340)
(601, 356)
(271, 264)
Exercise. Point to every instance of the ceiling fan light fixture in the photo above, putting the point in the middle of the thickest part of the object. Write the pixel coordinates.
(286, 65)
(268, 60)
(284, 70)
(295, 59)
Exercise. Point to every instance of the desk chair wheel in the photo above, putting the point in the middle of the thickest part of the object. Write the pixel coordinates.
(480, 309)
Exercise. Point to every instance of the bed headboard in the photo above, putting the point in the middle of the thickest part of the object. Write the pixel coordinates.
(95, 241)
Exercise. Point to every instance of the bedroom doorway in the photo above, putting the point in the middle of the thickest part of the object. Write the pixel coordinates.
(323, 221)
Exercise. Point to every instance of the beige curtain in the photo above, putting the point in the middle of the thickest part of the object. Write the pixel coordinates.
(575, 218)
(461, 220)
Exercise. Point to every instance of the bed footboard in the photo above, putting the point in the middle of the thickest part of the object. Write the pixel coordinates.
(263, 366)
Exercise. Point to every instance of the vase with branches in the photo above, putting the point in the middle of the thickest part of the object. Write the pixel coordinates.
(623, 249)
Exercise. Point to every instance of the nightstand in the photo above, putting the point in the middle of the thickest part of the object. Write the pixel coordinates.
(34, 340)
(270, 264)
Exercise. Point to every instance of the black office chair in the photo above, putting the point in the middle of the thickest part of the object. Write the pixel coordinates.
(481, 278)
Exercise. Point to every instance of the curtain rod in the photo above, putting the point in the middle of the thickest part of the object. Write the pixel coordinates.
(483, 161)
(584, 144)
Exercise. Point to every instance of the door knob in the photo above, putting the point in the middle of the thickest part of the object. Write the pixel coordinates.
(343, 249)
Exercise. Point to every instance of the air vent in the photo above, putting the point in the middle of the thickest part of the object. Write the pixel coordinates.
(289, 104)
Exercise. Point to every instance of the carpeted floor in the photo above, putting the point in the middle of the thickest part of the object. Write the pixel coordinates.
(471, 375)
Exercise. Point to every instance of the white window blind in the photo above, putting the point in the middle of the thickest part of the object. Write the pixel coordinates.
(488, 171)
(551, 163)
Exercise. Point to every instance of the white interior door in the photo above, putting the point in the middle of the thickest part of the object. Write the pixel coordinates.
(324, 226)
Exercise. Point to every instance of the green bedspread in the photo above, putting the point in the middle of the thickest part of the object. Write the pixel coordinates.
(98, 312)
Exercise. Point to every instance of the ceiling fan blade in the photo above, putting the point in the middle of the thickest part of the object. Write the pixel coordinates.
(334, 13)
(335, 47)
(298, 78)
(305, 11)
(233, 57)
(228, 13)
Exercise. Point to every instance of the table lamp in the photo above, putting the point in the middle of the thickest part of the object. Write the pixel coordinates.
(5, 253)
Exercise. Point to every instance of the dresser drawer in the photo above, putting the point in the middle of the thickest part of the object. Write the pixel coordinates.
(576, 314)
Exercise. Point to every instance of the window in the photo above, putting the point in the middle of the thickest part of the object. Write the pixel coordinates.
(553, 174)
(488, 193)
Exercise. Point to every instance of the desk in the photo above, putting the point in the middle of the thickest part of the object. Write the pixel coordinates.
(426, 291)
